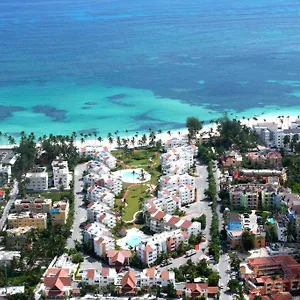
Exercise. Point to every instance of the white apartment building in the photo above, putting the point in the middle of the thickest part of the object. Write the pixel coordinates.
(104, 277)
(167, 204)
(102, 244)
(61, 175)
(37, 179)
(172, 182)
(281, 229)
(111, 182)
(5, 174)
(91, 179)
(186, 194)
(106, 158)
(150, 249)
(102, 195)
(151, 277)
(96, 208)
(97, 167)
(176, 142)
(108, 219)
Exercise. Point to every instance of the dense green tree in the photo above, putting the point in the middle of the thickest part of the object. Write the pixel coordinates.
(247, 240)
(194, 125)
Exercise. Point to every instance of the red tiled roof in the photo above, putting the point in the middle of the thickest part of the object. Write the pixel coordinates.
(105, 272)
(91, 274)
(100, 240)
(129, 279)
(90, 205)
(2, 193)
(199, 287)
(118, 255)
(58, 278)
(152, 210)
(165, 275)
(151, 272)
(159, 215)
(186, 224)
(212, 290)
(173, 220)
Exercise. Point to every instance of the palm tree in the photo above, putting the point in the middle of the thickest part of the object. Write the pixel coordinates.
(133, 173)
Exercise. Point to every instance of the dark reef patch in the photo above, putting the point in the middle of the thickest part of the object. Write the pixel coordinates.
(88, 131)
(90, 103)
(85, 107)
(58, 115)
(7, 111)
(116, 97)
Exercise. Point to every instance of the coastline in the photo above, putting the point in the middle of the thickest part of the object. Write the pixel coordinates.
(164, 136)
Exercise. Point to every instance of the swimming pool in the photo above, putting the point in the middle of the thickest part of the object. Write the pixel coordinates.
(133, 241)
(133, 175)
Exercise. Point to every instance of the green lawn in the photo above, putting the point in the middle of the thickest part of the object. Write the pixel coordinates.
(133, 199)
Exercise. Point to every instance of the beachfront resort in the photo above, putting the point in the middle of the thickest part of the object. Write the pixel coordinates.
(185, 218)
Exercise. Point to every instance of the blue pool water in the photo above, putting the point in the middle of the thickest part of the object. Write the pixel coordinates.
(271, 220)
(133, 241)
(128, 175)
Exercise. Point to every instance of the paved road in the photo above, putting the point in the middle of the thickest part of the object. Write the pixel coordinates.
(13, 196)
(80, 212)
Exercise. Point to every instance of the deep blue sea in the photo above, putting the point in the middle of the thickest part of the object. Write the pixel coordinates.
(106, 65)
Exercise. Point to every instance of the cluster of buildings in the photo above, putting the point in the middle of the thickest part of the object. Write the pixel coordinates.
(33, 213)
(271, 275)
(273, 134)
(7, 160)
(37, 179)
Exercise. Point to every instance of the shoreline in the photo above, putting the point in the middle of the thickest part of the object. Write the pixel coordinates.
(164, 136)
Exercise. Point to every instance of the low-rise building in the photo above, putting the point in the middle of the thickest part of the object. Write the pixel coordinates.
(231, 159)
(33, 204)
(24, 219)
(59, 212)
(17, 238)
(37, 179)
(5, 174)
(61, 175)
(97, 167)
(57, 283)
(102, 244)
(118, 258)
(6, 257)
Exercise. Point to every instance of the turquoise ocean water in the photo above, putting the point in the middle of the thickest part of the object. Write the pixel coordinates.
(99, 65)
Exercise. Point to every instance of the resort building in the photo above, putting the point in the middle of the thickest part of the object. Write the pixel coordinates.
(102, 195)
(237, 224)
(96, 208)
(102, 278)
(231, 159)
(61, 175)
(271, 275)
(186, 194)
(173, 182)
(24, 219)
(176, 142)
(102, 244)
(112, 182)
(17, 238)
(150, 249)
(59, 212)
(106, 158)
(269, 159)
(271, 176)
(37, 179)
(98, 168)
(8, 157)
(281, 224)
(33, 204)
(118, 258)
(197, 290)
(5, 174)
(254, 196)
(57, 283)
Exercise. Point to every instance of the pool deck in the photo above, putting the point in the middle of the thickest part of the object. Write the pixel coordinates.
(133, 232)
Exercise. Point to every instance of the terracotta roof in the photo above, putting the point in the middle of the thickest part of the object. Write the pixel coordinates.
(199, 287)
(105, 272)
(186, 224)
(90, 205)
(159, 215)
(2, 193)
(152, 210)
(91, 274)
(165, 275)
(100, 240)
(151, 272)
(118, 256)
(129, 279)
(212, 290)
(58, 278)
(173, 220)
